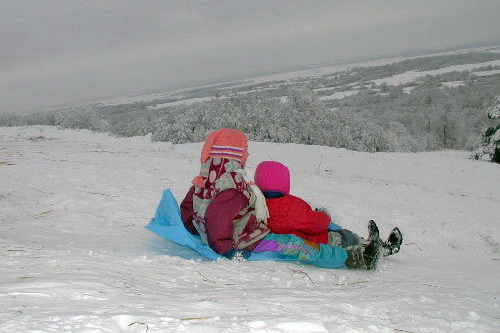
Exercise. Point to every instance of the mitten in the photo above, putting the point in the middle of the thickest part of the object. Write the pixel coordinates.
(324, 210)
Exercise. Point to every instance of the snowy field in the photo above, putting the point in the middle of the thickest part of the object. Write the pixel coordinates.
(76, 257)
(411, 76)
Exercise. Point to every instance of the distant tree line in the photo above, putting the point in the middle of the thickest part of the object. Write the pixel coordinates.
(431, 116)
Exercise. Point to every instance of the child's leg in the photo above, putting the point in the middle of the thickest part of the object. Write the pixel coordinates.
(293, 248)
(343, 238)
(350, 242)
(362, 253)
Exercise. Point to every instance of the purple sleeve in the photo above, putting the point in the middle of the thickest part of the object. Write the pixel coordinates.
(219, 219)
(187, 211)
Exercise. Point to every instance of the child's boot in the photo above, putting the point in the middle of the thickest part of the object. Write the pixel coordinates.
(371, 254)
(373, 232)
(393, 242)
(355, 259)
(372, 249)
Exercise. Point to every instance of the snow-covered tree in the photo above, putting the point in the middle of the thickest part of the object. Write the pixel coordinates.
(490, 143)
(494, 110)
(85, 117)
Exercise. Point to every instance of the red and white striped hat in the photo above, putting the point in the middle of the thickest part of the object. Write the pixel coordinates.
(225, 143)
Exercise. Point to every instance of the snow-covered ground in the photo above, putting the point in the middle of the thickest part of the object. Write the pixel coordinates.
(453, 84)
(488, 73)
(339, 95)
(188, 101)
(75, 256)
(411, 76)
(325, 70)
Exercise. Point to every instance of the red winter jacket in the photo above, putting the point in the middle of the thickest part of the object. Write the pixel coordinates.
(292, 215)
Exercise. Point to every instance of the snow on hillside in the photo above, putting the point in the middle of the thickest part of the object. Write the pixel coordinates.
(183, 94)
(188, 101)
(411, 76)
(339, 95)
(329, 69)
(75, 256)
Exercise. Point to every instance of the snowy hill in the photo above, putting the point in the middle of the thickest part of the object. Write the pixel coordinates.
(75, 256)
(304, 77)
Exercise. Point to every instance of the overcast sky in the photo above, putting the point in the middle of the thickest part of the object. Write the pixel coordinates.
(55, 52)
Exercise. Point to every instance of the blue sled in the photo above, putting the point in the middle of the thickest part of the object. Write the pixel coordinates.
(167, 224)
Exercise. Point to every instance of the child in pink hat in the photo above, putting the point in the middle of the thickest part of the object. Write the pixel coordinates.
(292, 215)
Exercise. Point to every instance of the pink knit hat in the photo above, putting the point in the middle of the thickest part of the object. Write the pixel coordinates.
(273, 176)
(225, 143)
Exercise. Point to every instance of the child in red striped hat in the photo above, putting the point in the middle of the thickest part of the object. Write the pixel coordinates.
(221, 206)
(292, 215)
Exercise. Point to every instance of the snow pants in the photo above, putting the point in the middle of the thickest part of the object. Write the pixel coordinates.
(343, 238)
(293, 248)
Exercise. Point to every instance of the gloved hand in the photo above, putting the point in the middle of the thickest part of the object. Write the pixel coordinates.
(324, 210)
